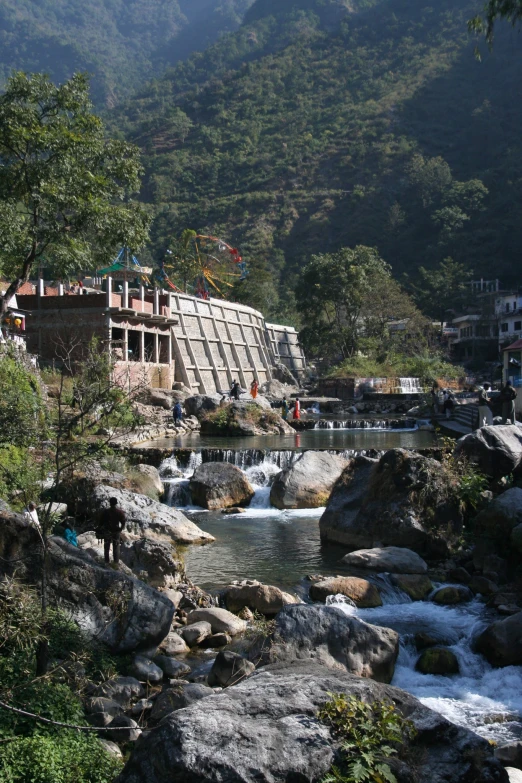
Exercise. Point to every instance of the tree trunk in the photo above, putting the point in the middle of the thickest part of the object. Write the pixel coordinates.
(15, 285)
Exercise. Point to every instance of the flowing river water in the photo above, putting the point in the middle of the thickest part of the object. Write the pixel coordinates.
(284, 547)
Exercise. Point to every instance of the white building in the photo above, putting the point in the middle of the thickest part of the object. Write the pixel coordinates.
(508, 309)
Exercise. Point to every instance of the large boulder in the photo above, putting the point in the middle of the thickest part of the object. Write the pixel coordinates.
(327, 635)
(408, 503)
(345, 501)
(389, 559)
(360, 591)
(177, 697)
(499, 520)
(308, 482)
(153, 560)
(220, 485)
(108, 605)
(152, 476)
(417, 586)
(146, 516)
(267, 599)
(199, 404)
(501, 642)
(245, 418)
(277, 738)
(229, 668)
(497, 451)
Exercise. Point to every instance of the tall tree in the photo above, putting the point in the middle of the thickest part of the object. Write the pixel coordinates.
(347, 301)
(493, 11)
(444, 290)
(64, 187)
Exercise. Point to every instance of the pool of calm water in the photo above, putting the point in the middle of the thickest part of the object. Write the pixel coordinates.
(319, 440)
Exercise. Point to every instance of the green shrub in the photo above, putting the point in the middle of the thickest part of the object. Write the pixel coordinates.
(369, 734)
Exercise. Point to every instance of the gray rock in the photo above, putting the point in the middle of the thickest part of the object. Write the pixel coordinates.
(221, 620)
(141, 706)
(122, 612)
(417, 586)
(123, 729)
(267, 599)
(308, 482)
(145, 670)
(194, 633)
(497, 451)
(173, 644)
(503, 514)
(510, 755)
(345, 501)
(329, 636)
(501, 642)
(111, 748)
(123, 690)
(171, 667)
(199, 404)
(216, 485)
(277, 738)
(479, 584)
(229, 668)
(161, 562)
(402, 501)
(102, 704)
(178, 697)
(216, 640)
(153, 475)
(514, 775)
(390, 559)
(145, 515)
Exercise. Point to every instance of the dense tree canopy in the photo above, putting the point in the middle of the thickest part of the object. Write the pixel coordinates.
(64, 188)
(311, 128)
(347, 300)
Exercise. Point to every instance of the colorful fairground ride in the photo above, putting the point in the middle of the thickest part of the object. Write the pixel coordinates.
(202, 265)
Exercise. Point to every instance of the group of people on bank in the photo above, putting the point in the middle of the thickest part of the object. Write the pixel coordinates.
(444, 401)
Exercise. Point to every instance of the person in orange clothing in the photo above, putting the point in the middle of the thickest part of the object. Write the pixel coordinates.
(254, 388)
(297, 409)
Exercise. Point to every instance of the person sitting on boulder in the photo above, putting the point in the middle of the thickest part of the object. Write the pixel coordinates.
(508, 396)
(113, 521)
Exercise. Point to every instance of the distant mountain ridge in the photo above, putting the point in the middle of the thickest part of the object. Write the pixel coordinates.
(293, 137)
(120, 42)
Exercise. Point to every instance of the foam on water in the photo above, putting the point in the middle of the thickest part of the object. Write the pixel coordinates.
(485, 699)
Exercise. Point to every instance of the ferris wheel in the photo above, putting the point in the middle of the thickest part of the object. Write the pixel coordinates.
(202, 264)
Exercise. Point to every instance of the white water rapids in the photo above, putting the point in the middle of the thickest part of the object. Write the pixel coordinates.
(482, 698)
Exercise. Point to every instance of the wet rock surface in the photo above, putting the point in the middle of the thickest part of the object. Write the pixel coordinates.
(217, 485)
(390, 559)
(278, 739)
(308, 482)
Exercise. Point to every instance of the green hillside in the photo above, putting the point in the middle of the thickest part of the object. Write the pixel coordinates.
(120, 42)
(327, 123)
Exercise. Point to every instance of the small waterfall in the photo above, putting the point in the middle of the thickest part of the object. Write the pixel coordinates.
(391, 425)
(410, 386)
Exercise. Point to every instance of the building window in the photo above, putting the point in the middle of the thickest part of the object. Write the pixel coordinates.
(518, 326)
(503, 327)
(507, 307)
(465, 332)
(482, 331)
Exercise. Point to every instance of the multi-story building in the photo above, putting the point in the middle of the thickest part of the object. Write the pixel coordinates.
(508, 309)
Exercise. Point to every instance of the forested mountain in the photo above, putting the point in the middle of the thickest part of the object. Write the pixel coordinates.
(120, 42)
(328, 123)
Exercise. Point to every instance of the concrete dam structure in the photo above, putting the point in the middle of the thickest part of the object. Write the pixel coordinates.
(216, 342)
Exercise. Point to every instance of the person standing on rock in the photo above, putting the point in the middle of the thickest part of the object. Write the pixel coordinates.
(235, 391)
(177, 413)
(297, 409)
(485, 414)
(113, 521)
(285, 409)
(508, 396)
(254, 388)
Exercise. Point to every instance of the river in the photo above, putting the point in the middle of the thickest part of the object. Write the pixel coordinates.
(284, 547)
